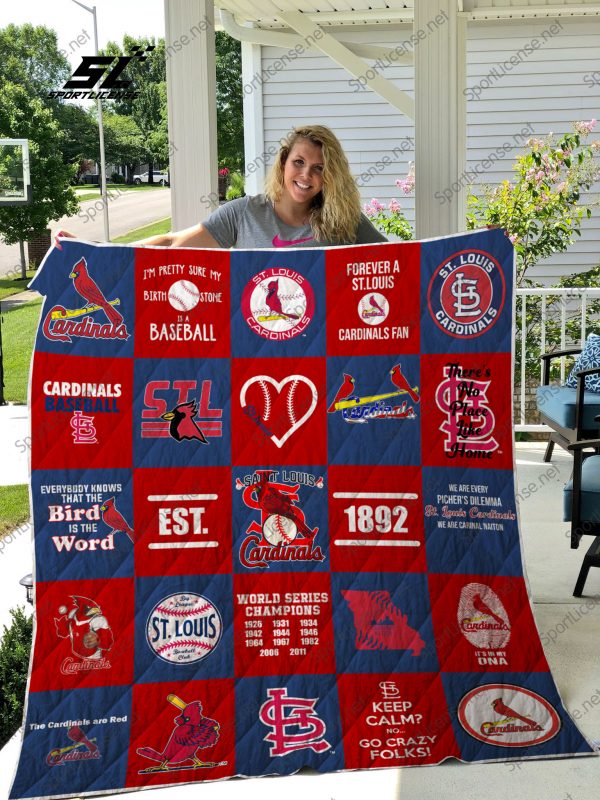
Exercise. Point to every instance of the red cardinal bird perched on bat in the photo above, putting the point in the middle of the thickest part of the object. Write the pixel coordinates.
(90, 292)
(506, 711)
(272, 501)
(400, 381)
(274, 302)
(344, 391)
(183, 425)
(192, 732)
(114, 519)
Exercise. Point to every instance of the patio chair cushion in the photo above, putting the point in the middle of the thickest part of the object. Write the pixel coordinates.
(590, 492)
(558, 403)
(589, 358)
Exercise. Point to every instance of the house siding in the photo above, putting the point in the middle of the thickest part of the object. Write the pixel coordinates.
(545, 91)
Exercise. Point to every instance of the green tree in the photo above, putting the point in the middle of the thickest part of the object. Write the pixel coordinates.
(24, 117)
(80, 135)
(30, 58)
(148, 77)
(124, 142)
(14, 660)
(230, 95)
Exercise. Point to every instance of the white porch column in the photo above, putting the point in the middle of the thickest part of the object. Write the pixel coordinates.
(191, 102)
(253, 119)
(440, 120)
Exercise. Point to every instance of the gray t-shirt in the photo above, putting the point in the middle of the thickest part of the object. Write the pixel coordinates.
(251, 222)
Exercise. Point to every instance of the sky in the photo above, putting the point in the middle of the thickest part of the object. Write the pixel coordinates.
(115, 18)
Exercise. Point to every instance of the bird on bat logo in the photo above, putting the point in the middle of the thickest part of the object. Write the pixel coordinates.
(192, 732)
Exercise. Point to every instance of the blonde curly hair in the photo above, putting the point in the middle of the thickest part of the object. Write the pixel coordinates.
(335, 211)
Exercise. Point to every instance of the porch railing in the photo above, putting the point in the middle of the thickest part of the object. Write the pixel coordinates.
(571, 301)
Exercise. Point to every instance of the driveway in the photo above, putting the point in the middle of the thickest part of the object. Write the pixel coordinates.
(127, 210)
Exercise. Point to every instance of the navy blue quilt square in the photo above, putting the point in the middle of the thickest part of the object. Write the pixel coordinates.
(181, 413)
(76, 739)
(466, 293)
(382, 623)
(471, 522)
(83, 523)
(81, 315)
(278, 303)
(286, 723)
(509, 715)
(373, 410)
(184, 628)
(280, 519)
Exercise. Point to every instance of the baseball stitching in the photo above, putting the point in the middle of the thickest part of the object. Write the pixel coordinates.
(281, 529)
(267, 399)
(185, 287)
(183, 612)
(290, 406)
(185, 643)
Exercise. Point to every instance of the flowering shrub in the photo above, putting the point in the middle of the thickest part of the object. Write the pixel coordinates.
(392, 219)
(224, 172)
(540, 208)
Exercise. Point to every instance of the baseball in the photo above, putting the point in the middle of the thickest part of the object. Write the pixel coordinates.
(90, 640)
(184, 295)
(279, 530)
(183, 628)
(62, 610)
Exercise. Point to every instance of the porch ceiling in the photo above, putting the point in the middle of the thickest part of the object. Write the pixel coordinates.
(266, 13)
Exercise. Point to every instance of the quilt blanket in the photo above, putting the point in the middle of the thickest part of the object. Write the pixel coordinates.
(275, 521)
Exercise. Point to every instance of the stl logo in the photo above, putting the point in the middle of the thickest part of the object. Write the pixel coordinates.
(183, 416)
(283, 533)
(84, 430)
(299, 729)
(466, 294)
(89, 632)
(379, 623)
(375, 407)
(62, 324)
(278, 303)
(507, 716)
(74, 752)
(183, 628)
(469, 420)
(192, 732)
(294, 398)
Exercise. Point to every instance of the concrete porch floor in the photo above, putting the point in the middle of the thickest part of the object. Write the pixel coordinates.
(570, 631)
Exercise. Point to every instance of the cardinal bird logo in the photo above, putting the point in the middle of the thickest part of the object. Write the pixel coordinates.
(273, 501)
(510, 715)
(363, 409)
(112, 517)
(274, 302)
(182, 424)
(91, 293)
(278, 303)
(89, 632)
(343, 392)
(74, 752)
(400, 381)
(192, 732)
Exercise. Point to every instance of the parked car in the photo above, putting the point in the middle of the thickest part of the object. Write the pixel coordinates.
(159, 177)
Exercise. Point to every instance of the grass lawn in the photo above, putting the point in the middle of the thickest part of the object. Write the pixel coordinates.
(162, 226)
(19, 325)
(10, 286)
(14, 507)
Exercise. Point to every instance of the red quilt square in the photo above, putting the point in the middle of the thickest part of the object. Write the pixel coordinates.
(395, 720)
(278, 411)
(181, 731)
(376, 299)
(183, 521)
(376, 519)
(81, 412)
(182, 303)
(466, 410)
(484, 624)
(84, 634)
(282, 624)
